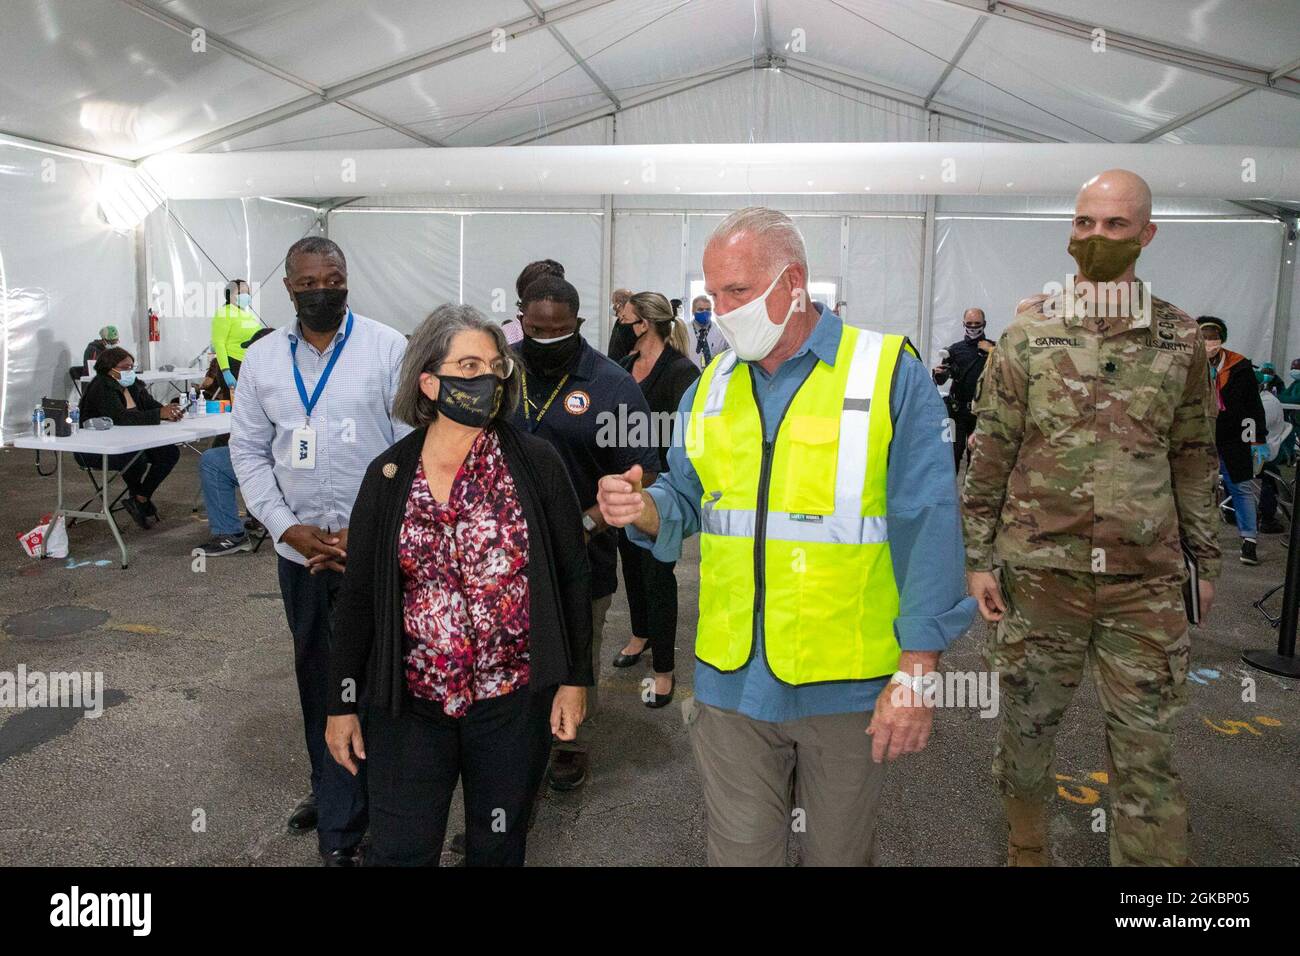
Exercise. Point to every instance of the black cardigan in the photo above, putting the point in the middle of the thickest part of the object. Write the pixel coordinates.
(368, 645)
(105, 397)
(1241, 402)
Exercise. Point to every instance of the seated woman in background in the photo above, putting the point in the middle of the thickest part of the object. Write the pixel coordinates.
(659, 363)
(114, 393)
(463, 630)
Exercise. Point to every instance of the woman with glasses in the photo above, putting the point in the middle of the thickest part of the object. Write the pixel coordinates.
(114, 393)
(463, 632)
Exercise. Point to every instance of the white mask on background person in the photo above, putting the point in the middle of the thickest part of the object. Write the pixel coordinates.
(748, 329)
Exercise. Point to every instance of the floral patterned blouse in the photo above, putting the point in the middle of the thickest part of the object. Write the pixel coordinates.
(464, 586)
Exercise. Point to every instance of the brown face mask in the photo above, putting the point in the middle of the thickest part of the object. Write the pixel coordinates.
(1101, 259)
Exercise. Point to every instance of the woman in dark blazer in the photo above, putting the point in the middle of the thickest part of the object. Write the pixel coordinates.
(659, 364)
(114, 393)
(463, 631)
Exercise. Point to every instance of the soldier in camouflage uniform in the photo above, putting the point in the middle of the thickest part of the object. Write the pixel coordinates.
(1094, 453)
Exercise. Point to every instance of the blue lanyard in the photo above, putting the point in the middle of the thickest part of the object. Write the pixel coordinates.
(309, 403)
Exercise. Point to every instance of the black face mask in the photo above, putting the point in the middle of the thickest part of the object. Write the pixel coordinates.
(472, 402)
(552, 359)
(321, 310)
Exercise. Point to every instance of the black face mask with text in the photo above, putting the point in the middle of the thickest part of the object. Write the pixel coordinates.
(472, 402)
(321, 310)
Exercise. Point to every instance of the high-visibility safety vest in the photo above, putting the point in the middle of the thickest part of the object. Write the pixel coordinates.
(796, 527)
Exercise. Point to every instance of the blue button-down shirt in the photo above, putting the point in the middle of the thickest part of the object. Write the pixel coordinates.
(353, 421)
(925, 540)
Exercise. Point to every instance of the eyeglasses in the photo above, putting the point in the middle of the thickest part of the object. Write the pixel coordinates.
(502, 368)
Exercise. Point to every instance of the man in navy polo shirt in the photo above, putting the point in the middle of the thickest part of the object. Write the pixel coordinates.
(572, 394)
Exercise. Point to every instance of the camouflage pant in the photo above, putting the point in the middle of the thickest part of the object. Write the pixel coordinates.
(1133, 633)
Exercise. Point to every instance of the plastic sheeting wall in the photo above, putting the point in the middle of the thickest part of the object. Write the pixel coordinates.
(193, 250)
(1224, 268)
(404, 265)
(65, 273)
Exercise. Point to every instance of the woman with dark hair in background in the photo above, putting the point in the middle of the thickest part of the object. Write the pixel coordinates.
(114, 393)
(659, 364)
(464, 626)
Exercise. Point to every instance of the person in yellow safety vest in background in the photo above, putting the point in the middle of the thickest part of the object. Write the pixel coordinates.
(817, 468)
(232, 325)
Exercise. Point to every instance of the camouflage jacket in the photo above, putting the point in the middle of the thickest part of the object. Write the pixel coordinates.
(1095, 444)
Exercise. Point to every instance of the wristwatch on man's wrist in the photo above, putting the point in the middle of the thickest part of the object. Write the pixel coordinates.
(588, 523)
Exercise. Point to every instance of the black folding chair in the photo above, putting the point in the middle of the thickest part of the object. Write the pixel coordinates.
(93, 472)
(75, 372)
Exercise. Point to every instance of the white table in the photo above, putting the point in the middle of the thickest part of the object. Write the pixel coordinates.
(119, 440)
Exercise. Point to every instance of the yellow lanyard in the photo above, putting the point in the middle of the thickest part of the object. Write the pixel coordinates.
(523, 380)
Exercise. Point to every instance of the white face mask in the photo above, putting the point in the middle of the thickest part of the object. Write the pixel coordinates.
(558, 338)
(749, 330)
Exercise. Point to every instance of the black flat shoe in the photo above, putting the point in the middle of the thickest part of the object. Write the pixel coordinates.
(303, 818)
(349, 857)
(627, 660)
(150, 511)
(661, 700)
(136, 511)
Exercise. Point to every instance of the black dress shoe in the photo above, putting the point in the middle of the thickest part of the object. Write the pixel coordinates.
(627, 660)
(568, 769)
(136, 511)
(303, 818)
(661, 700)
(150, 511)
(349, 857)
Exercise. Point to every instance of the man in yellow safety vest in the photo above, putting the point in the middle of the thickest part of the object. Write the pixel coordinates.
(816, 466)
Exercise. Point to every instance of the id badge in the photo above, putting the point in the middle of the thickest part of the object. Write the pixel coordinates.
(304, 448)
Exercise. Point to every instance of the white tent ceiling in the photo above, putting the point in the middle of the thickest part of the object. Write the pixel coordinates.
(124, 77)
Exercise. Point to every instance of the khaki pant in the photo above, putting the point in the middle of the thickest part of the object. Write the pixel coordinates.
(813, 777)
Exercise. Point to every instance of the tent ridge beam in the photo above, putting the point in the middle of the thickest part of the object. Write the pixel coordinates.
(1227, 98)
(865, 85)
(1194, 60)
(573, 53)
(681, 85)
(218, 42)
(59, 149)
(971, 34)
(386, 74)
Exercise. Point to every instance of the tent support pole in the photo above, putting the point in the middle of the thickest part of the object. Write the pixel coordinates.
(1285, 283)
(926, 298)
(607, 246)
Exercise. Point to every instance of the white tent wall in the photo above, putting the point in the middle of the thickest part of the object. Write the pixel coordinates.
(402, 265)
(196, 248)
(64, 273)
(1219, 268)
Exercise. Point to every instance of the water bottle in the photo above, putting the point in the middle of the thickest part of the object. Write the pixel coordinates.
(192, 410)
(74, 416)
(38, 422)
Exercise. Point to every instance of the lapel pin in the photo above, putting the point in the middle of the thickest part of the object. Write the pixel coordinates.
(390, 470)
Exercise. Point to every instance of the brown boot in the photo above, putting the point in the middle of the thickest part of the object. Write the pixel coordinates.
(1027, 837)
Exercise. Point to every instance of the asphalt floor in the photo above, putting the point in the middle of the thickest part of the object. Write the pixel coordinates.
(198, 757)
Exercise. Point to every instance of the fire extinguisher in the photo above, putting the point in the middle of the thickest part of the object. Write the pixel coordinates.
(154, 335)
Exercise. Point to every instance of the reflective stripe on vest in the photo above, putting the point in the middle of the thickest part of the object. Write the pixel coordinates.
(818, 566)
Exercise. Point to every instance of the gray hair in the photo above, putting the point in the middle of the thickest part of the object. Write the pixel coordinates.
(428, 348)
(778, 236)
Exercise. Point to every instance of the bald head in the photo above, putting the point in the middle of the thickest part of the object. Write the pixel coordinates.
(1118, 190)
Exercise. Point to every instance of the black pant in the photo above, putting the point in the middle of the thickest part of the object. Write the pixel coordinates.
(145, 474)
(963, 428)
(651, 601)
(340, 797)
(498, 750)
(1268, 493)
